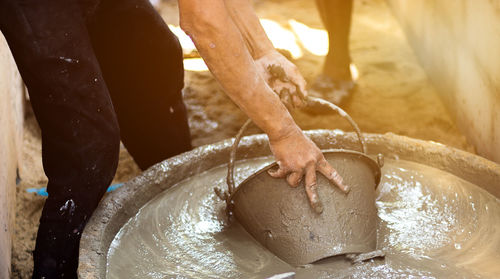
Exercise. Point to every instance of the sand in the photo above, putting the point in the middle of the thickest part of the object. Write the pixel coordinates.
(393, 95)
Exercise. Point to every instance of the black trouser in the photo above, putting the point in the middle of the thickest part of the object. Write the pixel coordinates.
(90, 67)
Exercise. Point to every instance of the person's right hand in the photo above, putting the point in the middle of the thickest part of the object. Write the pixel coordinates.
(286, 80)
(297, 156)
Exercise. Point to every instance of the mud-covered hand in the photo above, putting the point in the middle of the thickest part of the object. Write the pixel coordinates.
(283, 77)
(297, 156)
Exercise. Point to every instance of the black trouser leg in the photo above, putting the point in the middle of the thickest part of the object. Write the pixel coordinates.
(142, 63)
(80, 134)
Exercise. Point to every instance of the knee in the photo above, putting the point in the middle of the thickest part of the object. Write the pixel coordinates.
(99, 151)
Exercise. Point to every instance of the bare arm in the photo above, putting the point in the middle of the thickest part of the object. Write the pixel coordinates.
(245, 19)
(223, 48)
(265, 55)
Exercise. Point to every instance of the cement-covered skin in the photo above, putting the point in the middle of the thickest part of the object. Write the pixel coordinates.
(117, 208)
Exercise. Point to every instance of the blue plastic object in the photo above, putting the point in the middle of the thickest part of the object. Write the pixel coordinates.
(43, 191)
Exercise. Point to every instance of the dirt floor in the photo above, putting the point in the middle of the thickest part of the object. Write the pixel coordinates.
(393, 95)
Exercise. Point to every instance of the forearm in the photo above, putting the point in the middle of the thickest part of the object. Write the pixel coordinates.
(222, 47)
(247, 22)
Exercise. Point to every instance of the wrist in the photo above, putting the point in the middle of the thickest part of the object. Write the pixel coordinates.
(262, 51)
(284, 131)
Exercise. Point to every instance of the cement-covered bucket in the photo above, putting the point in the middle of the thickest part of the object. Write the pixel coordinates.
(281, 219)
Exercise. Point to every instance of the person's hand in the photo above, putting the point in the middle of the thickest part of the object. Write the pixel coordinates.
(297, 156)
(284, 78)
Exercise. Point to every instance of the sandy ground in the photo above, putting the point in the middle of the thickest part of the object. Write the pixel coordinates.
(393, 95)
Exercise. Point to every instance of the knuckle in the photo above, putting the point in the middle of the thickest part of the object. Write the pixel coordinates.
(319, 155)
(322, 166)
(311, 158)
(336, 176)
(310, 162)
(285, 168)
(311, 181)
(312, 186)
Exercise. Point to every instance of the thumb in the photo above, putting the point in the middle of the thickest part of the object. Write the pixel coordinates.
(277, 173)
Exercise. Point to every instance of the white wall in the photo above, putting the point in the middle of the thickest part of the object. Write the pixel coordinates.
(11, 127)
(458, 44)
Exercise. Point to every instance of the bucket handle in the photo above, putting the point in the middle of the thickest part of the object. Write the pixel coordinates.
(226, 195)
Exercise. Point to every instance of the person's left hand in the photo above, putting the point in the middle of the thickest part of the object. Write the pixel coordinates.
(290, 86)
(297, 158)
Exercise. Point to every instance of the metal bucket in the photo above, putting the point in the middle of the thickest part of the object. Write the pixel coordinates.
(281, 219)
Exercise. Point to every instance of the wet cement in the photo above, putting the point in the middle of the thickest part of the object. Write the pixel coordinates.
(431, 224)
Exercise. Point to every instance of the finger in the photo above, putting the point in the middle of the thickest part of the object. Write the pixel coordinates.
(278, 84)
(303, 93)
(331, 174)
(312, 189)
(285, 98)
(301, 83)
(277, 93)
(294, 178)
(283, 94)
(297, 101)
(277, 173)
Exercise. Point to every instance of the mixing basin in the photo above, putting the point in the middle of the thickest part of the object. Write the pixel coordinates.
(117, 208)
